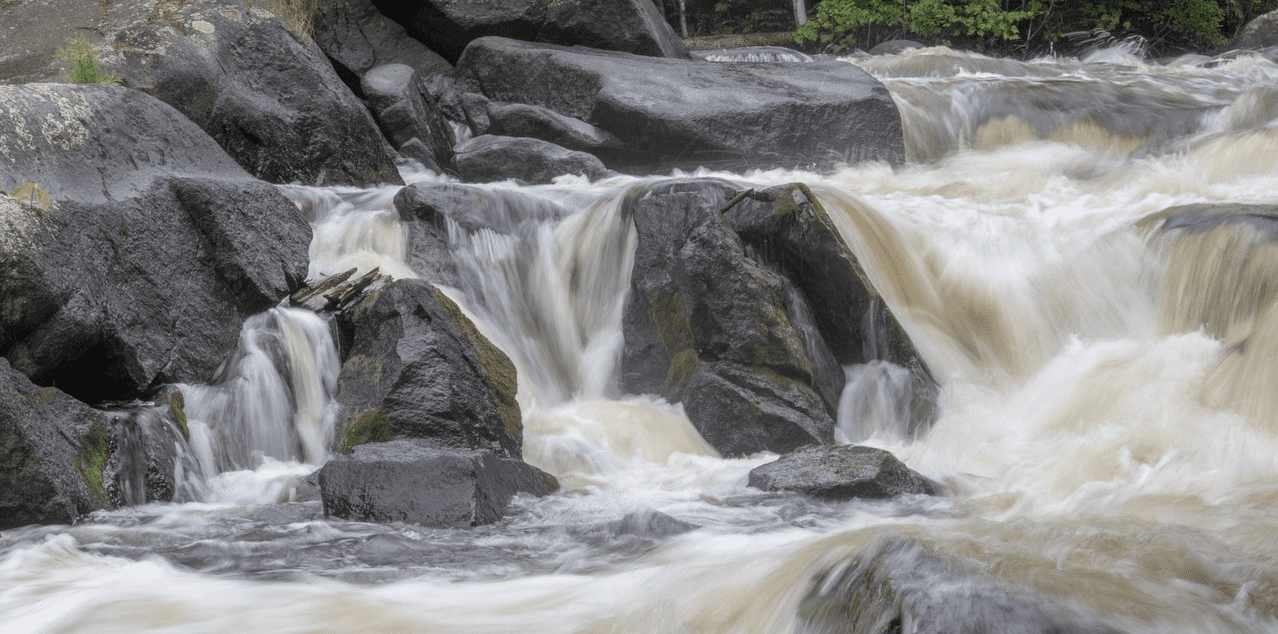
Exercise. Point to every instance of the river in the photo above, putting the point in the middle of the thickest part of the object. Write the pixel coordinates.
(1107, 438)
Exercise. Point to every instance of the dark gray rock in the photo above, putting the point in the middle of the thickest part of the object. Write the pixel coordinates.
(413, 481)
(356, 37)
(1261, 32)
(266, 95)
(126, 273)
(407, 113)
(633, 26)
(416, 367)
(489, 158)
(787, 228)
(840, 472)
(895, 47)
(428, 207)
(707, 326)
(32, 31)
(523, 120)
(682, 113)
(53, 450)
(901, 584)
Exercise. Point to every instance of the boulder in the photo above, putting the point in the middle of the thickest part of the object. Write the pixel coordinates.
(840, 472)
(265, 94)
(428, 207)
(406, 114)
(789, 229)
(682, 113)
(490, 158)
(53, 450)
(705, 325)
(177, 262)
(32, 31)
(523, 120)
(1261, 32)
(896, 47)
(414, 481)
(416, 367)
(633, 26)
(61, 459)
(356, 37)
(901, 584)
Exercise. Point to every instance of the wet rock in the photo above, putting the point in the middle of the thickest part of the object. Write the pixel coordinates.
(903, 585)
(177, 262)
(683, 113)
(356, 37)
(406, 112)
(787, 227)
(707, 326)
(1261, 32)
(840, 472)
(523, 120)
(428, 208)
(265, 94)
(53, 450)
(489, 158)
(414, 481)
(416, 367)
(896, 47)
(633, 26)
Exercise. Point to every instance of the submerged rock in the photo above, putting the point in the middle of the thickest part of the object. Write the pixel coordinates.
(840, 472)
(902, 585)
(265, 94)
(682, 113)
(122, 271)
(489, 158)
(414, 481)
(632, 26)
(416, 367)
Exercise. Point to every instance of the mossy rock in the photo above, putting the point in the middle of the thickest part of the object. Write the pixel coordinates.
(370, 426)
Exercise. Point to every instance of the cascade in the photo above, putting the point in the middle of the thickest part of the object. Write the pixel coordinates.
(1075, 247)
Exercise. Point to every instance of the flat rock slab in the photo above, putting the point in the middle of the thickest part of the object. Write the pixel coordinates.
(412, 481)
(683, 113)
(840, 472)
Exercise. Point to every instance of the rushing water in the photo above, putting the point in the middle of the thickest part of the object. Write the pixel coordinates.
(1108, 430)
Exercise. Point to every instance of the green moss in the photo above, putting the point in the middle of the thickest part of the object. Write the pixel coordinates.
(92, 461)
(772, 375)
(370, 426)
(682, 365)
(177, 410)
(672, 320)
(499, 371)
(48, 394)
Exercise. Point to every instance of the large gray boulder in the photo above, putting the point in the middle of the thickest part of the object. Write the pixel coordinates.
(789, 229)
(682, 113)
(840, 472)
(707, 326)
(1261, 32)
(139, 247)
(523, 120)
(632, 26)
(490, 158)
(414, 481)
(265, 94)
(61, 459)
(416, 367)
(407, 115)
(356, 37)
(53, 450)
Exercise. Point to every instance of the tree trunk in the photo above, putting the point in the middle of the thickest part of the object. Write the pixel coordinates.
(800, 13)
(683, 18)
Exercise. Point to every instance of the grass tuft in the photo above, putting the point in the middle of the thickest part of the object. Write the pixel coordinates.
(81, 58)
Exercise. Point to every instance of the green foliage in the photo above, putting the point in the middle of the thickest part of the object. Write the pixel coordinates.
(81, 59)
(371, 426)
(946, 18)
(1158, 19)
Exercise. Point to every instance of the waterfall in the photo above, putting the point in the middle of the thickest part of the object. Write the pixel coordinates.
(1082, 251)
